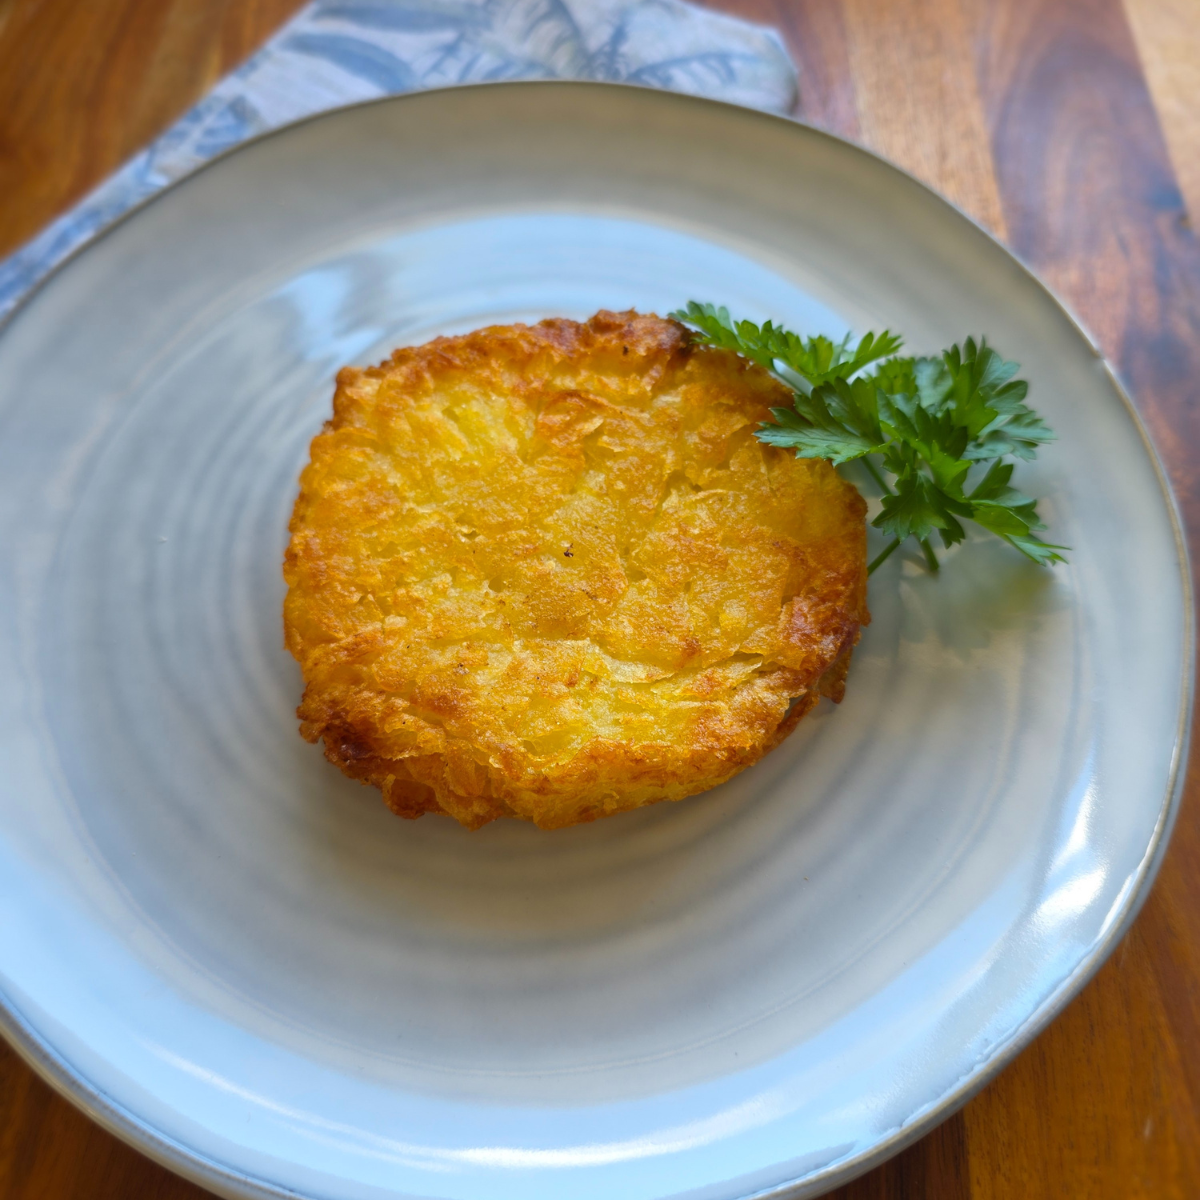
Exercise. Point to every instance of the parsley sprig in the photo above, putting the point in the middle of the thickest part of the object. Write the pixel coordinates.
(940, 427)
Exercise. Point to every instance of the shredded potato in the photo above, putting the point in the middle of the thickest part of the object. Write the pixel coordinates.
(548, 572)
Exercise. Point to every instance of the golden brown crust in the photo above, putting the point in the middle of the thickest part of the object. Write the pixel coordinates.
(548, 572)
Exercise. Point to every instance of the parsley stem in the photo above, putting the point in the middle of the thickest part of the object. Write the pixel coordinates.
(873, 471)
(930, 558)
(883, 555)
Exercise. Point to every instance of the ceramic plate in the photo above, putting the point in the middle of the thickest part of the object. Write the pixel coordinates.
(240, 961)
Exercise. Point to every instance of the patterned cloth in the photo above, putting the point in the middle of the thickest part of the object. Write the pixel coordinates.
(337, 52)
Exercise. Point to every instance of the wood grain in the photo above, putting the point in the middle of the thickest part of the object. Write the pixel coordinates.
(51, 1151)
(1036, 117)
(921, 108)
(1167, 33)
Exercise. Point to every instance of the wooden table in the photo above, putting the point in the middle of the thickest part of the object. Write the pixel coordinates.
(1069, 127)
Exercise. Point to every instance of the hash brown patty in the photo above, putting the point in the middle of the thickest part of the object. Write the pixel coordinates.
(548, 572)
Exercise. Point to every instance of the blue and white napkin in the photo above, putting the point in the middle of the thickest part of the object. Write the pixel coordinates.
(337, 52)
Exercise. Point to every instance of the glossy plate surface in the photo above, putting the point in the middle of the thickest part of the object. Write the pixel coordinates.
(238, 959)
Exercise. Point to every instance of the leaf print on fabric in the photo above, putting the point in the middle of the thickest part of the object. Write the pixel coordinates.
(420, 16)
(364, 59)
(232, 123)
(692, 73)
(542, 35)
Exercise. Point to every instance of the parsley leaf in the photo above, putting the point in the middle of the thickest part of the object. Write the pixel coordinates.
(933, 422)
(816, 360)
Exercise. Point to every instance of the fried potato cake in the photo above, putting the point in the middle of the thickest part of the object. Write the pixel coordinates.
(548, 572)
